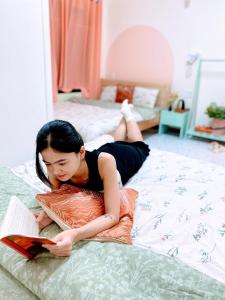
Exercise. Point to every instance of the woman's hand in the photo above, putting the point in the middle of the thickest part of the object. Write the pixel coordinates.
(64, 243)
(42, 219)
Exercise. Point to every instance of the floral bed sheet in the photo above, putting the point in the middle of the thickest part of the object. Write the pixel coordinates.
(181, 210)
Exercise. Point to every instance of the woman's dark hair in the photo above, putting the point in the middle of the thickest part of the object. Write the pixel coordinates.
(59, 135)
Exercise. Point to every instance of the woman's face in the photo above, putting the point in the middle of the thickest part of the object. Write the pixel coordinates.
(61, 165)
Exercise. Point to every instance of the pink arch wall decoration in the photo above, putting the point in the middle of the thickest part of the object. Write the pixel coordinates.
(140, 53)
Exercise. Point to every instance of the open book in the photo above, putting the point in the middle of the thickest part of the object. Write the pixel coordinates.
(20, 231)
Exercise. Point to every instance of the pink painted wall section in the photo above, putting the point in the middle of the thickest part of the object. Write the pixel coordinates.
(140, 53)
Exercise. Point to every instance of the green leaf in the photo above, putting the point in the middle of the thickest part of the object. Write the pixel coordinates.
(217, 112)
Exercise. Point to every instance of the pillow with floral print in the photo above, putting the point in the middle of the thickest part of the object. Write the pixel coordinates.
(108, 93)
(145, 97)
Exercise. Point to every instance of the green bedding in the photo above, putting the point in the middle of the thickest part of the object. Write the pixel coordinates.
(96, 270)
(12, 289)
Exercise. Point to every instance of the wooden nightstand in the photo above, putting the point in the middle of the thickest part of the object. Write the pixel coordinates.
(170, 118)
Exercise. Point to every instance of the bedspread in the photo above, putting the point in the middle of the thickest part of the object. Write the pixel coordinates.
(12, 289)
(178, 227)
(181, 210)
(141, 112)
(99, 270)
(91, 120)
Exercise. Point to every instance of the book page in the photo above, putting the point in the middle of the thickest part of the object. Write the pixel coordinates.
(18, 220)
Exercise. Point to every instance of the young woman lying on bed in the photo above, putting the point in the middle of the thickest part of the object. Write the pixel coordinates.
(62, 150)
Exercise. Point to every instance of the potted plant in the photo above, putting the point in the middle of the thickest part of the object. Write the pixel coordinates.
(217, 113)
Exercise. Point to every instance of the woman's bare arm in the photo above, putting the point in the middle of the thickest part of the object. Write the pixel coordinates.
(108, 173)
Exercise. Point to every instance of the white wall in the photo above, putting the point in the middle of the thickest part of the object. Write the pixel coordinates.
(25, 77)
(201, 26)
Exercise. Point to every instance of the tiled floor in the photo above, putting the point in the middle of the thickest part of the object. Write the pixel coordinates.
(191, 147)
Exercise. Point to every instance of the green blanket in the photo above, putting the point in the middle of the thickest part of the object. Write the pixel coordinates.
(99, 270)
(12, 289)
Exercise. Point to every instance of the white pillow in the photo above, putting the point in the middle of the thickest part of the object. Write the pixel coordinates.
(108, 93)
(145, 96)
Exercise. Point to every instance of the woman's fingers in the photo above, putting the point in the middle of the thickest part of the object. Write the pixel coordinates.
(39, 215)
(42, 219)
(63, 246)
(59, 250)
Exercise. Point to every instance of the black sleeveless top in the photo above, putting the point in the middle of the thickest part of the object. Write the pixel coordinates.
(129, 158)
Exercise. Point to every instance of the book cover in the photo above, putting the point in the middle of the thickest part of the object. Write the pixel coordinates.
(20, 231)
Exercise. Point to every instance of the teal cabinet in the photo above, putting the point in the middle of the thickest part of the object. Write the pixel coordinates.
(174, 119)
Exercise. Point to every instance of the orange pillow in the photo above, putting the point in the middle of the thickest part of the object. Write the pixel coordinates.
(72, 207)
(124, 92)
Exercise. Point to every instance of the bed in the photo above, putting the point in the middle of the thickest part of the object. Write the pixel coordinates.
(95, 117)
(178, 239)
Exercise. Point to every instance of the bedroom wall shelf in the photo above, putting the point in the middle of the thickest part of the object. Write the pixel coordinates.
(192, 132)
(192, 116)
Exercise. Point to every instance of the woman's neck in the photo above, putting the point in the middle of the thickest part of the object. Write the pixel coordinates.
(82, 174)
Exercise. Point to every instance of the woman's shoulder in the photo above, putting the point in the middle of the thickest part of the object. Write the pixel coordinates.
(105, 157)
(106, 163)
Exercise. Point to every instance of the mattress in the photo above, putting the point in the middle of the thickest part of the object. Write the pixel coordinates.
(180, 209)
(96, 270)
(178, 239)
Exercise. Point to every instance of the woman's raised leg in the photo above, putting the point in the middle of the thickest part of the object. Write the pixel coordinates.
(133, 132)
(120, 134)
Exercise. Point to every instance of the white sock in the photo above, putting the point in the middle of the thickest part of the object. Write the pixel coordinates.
(126, 111)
